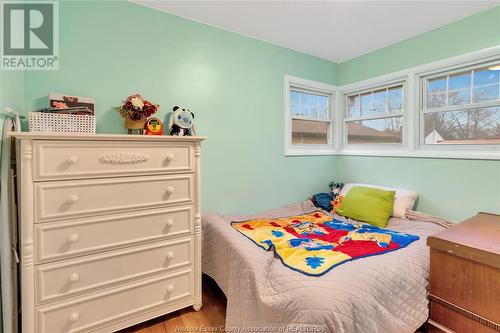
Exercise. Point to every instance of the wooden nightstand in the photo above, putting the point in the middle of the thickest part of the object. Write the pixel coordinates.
(464, 286)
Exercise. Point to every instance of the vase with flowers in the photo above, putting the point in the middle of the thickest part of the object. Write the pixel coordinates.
(135, 109)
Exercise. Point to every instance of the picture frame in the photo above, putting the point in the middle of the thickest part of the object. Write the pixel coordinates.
(56, 100)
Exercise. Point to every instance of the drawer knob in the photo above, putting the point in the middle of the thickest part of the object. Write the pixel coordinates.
(170, 223)
(170, 157)
(170, 288)
(74, 277)
(73, 198)
(170, 190)
(73, 238)
(170, 255)
(74, 317)
(73, 159)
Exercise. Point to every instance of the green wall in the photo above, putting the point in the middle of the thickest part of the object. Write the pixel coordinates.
(233, 84)
(452, 188)
(12, 90)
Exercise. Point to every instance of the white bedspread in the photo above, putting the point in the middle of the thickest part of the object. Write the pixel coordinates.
(384, 293)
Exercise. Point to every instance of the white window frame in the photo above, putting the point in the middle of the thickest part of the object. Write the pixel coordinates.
(412, 124)
(422, 109)
(412, 117)
(313, 87)
(371, 89)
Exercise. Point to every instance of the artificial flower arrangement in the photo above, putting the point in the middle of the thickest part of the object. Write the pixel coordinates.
(135, 109)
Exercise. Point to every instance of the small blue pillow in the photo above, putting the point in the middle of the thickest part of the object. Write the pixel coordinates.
(323, 201)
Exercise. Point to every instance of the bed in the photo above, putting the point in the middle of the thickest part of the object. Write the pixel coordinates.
(385, 293)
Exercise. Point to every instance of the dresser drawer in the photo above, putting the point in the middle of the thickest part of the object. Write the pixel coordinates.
(79, 198)
(63, 239)
(468, 284)
(88, 273)
(444, 319)
(87, 159)
(98, 309)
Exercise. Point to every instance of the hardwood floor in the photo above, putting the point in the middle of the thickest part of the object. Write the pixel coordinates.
(212, 314)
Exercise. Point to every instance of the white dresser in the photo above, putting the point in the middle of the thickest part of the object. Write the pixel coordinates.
(109, 229)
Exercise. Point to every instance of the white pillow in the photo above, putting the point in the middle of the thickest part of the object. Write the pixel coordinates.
(404, 199)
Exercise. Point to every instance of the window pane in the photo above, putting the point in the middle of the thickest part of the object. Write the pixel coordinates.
(304, 99)
(486, 76)
(366, 104)
(436, 93)
(437, 85)
(308, 105)
(314, 113)
(323, 107)
(457, 97)
(436, 100)
(313, 100)
(386, 130)
(486, 93)
(310, 132)
(459, 88)
(479, 126)
(323, 102)
(378, 103)
(353, 106)
(483, 83)
(459, 81)
(304, 111)
(395, 99)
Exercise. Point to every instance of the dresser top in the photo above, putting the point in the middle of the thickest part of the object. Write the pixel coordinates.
(104, 137)
(477, 238)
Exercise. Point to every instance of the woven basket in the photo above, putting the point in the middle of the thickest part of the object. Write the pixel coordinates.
(65, 123)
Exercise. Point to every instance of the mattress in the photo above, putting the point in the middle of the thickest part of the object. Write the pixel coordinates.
(384, 293)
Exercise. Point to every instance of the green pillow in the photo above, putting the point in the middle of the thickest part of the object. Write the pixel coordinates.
(367, 204)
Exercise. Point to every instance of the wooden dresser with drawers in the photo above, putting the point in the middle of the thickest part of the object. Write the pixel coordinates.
(464, 286)
(110, 229)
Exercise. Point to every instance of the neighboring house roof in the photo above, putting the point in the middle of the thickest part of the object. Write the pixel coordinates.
(359, 131)
(309, 127)
(433, 137)
(355, 129)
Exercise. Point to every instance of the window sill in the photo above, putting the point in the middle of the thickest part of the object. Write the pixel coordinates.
(469, 155)
(313, 152)
(463, 155)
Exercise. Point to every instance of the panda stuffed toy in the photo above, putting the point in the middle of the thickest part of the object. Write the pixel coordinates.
(181, 122)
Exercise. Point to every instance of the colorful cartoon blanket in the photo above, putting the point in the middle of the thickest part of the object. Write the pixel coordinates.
(314, 243)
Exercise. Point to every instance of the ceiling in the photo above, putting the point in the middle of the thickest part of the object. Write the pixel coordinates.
(333, 30)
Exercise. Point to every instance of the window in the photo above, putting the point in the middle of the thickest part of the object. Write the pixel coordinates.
(462, 107)
(375, 116)
(308, 117)
(446, 109)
